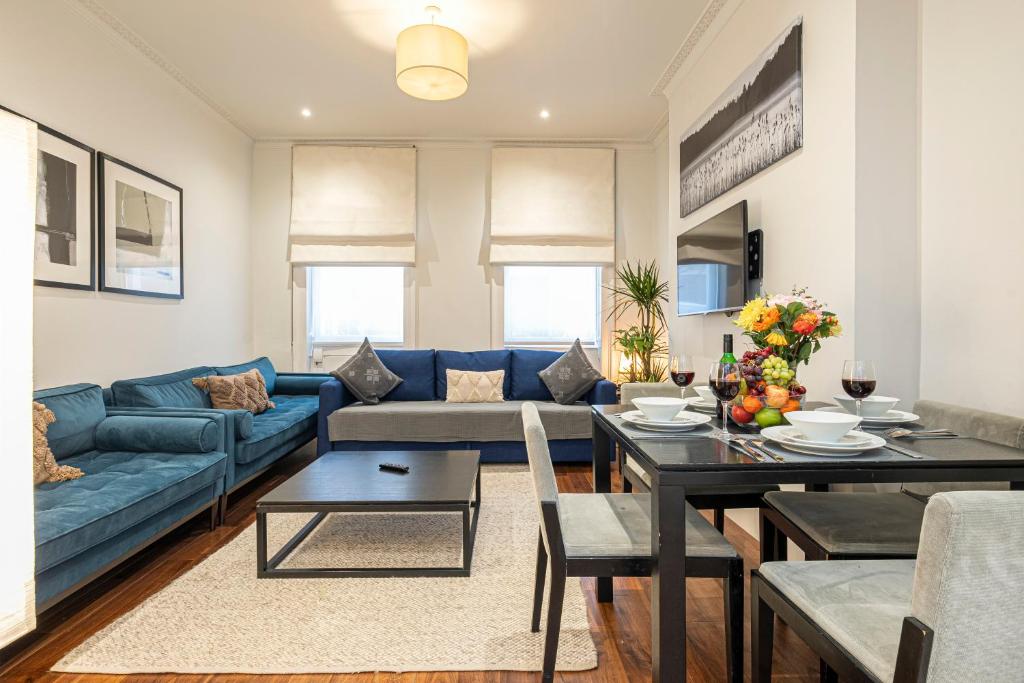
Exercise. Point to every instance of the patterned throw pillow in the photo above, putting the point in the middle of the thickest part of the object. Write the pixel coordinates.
(366, 376)
(245, 391)
(571, 376)
(465, 386)
(44, 465)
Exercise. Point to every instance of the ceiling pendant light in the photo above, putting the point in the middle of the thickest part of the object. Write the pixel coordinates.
(432, 61)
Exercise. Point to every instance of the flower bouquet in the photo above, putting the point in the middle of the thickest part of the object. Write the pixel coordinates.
(786, 329)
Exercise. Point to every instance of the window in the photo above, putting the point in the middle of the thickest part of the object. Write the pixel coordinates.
(348, 303)
(552, 305)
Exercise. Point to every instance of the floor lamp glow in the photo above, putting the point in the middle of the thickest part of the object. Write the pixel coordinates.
(17, 217)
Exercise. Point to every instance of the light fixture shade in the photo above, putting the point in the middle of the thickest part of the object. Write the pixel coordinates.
(432, 62)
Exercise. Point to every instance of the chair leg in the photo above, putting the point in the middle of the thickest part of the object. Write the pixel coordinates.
(627, 485)
(554, 625)
(720, 520)
(538, 582)
(762, 636)
(733, 591)
(767, 530)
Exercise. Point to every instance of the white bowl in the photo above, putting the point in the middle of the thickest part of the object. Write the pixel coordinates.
(659, 408)
(819, 426)
(705, 393)
(872, 406)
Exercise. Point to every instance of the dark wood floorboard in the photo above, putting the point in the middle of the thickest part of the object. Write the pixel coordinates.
(621, 631)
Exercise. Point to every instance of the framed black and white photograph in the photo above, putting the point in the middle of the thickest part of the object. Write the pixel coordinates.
(65, 225)
(755, 123)
(141, 248)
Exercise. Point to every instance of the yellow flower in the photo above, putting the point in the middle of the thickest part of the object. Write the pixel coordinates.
(835, 330)
(751, 313)
(776, 339)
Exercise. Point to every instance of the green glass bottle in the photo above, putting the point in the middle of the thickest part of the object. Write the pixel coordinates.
(727, 356)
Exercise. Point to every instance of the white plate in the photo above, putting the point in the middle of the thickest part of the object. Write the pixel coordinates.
(697, 403)
(893, 417)
(780, 436)
(851, 439)
(682, 422)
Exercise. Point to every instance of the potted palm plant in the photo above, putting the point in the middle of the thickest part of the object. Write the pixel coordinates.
(640, 290)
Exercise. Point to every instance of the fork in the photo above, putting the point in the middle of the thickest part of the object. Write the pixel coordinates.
(900, 432)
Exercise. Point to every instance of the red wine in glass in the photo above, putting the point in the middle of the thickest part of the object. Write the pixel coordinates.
(682, 378)
(859, 388)
(725, 389)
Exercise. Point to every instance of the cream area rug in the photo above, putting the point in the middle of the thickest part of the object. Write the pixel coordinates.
(219, 618)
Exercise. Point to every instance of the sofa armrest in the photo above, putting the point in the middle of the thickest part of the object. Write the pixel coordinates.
(602, 394)
(151, 433)
(333, 395)
(300, 383)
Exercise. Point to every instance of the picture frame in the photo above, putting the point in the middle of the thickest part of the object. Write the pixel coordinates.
(141, 240)
(65, 227)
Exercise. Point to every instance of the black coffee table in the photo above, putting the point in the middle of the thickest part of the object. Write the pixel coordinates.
(438, 481)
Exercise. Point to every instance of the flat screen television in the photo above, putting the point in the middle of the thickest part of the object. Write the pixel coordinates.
(711, 263)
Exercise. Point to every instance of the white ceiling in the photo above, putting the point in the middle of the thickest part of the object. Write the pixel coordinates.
(592, 63)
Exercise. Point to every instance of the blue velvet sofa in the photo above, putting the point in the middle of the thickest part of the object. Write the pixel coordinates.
(415, 416)
(254, 442)
(145, 474)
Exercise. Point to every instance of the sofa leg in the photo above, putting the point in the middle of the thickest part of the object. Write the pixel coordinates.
(222, 507)
(214, 514)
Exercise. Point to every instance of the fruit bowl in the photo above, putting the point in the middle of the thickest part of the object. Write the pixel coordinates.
(756, 411)
(768, 391)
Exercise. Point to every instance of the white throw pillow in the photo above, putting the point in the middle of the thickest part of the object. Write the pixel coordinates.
(474, 387)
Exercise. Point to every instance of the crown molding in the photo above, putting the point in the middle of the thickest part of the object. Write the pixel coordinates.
(458, 143)
(93, 9)
(693, 38)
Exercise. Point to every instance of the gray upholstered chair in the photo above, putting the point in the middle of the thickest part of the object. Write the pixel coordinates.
(609, 534)
(953, 615)
(718, 499)
(828, 526)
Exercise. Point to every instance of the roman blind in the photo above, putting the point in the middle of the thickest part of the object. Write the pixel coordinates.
(353, 205)
(552, 205)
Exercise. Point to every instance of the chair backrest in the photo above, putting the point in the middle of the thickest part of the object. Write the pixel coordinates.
(969, 585)
(630, 390)
(545, 487)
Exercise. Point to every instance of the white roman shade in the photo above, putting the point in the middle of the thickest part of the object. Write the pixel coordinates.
(353, 205)
(552, 205)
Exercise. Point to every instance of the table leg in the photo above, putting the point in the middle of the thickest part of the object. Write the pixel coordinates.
(261, 543)
(602, 472)
(668, 582)
(1017, 485)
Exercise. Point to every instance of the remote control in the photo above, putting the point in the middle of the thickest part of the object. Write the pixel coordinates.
(392, 467)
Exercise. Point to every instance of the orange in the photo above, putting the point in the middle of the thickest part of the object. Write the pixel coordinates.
(791, 405)
(751, 404)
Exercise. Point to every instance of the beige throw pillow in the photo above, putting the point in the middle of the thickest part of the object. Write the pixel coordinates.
(474, 387)
(246, 391)
(44, 465)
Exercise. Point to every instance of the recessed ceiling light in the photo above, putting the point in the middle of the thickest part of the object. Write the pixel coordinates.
(306, 113)
(545, 114)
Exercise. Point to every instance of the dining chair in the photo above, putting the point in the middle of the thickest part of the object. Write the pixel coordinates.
(952, 615)
(718, 499)
(609, 534)
(869, 525)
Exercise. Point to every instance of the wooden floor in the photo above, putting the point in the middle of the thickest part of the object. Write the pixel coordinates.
(622, 631)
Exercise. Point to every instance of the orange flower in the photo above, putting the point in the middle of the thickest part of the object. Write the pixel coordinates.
(767, 319)
(806, 323)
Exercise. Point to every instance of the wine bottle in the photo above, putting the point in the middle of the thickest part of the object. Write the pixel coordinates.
(727, 357)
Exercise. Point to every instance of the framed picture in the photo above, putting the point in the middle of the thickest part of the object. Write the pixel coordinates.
(141, 249)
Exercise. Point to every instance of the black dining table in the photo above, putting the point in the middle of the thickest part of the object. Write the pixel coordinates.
(675, 462)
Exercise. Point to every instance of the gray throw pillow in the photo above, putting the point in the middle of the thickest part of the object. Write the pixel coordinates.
(366, 377)
(571, 376)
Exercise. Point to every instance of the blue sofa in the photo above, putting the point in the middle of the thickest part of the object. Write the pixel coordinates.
(415, 416)
(145, 474)
(254, 442)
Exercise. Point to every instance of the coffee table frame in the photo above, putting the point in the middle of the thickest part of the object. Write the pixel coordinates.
(270, 568)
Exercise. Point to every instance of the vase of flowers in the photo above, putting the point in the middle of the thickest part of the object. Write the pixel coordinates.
(786, 330)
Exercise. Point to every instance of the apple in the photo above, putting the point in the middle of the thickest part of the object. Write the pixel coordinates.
(740, 415)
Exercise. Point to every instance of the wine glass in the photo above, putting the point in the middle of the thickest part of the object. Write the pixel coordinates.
(724, 380)
(680, 369)
(859, 380)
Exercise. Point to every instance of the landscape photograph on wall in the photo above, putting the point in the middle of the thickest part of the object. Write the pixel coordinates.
(754, 123)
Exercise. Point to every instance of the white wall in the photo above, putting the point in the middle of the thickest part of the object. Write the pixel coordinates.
(87, 83)
(454, 284)
(972, 239)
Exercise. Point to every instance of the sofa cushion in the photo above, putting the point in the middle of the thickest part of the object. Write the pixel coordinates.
(119, 490)
(526, 382)
(174, 389)
(78, 408)
(262, 364)
(571, 376)
(477, 361)
(291, 417)
(416, 368)
(142, 433)
(365, 376)
(441, 422)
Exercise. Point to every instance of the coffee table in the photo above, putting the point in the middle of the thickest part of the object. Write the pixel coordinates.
(438, 481)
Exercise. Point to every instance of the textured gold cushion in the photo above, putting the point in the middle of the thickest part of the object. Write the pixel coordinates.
(44, 465)
(474, 387)
(246, 391)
